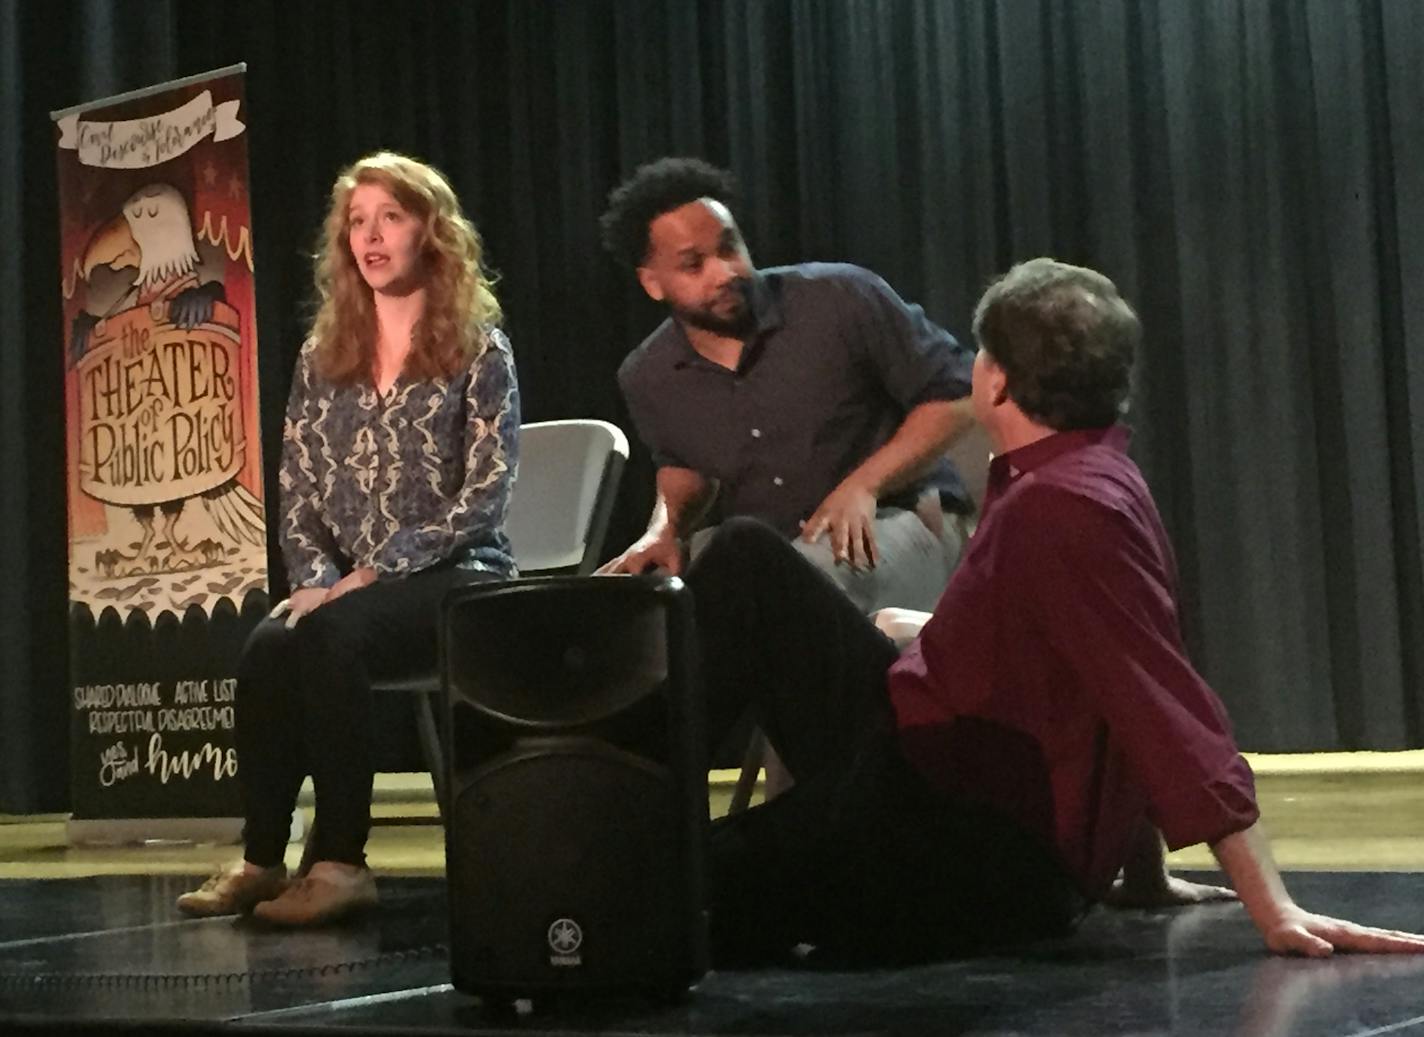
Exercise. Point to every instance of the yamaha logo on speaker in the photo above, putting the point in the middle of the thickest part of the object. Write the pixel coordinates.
(565, 939)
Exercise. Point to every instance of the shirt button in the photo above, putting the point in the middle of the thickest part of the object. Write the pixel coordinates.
(756, 433)
(777, 480)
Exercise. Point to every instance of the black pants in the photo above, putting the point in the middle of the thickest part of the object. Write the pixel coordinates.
(860, 857)
(304, 707)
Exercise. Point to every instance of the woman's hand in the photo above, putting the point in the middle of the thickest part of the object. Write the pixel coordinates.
(299, 604)
(354, 580)
(309, 599)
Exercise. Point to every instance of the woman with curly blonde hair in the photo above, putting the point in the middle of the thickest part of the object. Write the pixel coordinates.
(398, 456)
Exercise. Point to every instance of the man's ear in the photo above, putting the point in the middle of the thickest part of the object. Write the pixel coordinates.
(650, 283)
(998, 385)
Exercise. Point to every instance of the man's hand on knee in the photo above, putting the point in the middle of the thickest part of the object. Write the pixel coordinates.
(847, 517)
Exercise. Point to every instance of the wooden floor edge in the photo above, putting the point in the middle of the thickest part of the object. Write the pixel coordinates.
(1334, 764)
(1402, 761)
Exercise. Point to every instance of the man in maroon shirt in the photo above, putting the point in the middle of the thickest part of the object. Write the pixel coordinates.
(1018, 759)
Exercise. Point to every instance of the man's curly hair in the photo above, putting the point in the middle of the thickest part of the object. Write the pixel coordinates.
(1066, 341)
(653, 189)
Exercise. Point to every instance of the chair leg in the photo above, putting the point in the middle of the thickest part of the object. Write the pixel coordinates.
(778, 778)
(308, 852)
(751, 767)
(432, 750)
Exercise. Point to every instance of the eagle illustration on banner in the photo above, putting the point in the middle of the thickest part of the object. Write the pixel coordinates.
(165, 481)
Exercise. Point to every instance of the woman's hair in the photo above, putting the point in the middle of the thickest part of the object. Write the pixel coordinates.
(460, 305)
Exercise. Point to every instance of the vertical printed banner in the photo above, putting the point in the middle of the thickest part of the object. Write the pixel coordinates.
(167, 541)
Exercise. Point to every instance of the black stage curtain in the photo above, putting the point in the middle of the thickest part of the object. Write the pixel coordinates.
(1250, 172)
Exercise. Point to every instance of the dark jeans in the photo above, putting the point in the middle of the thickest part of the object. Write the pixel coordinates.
(860, 857)
(304, 707)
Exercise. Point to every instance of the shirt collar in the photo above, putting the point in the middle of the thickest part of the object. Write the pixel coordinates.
(765, 304)
(766, 309)
(1006, 469)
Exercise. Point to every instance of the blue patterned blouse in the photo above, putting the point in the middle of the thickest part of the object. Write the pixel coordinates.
(402, 480)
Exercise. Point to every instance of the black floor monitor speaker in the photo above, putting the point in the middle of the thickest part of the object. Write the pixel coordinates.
(578, 787)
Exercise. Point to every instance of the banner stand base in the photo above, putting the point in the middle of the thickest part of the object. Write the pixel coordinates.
(126, 831)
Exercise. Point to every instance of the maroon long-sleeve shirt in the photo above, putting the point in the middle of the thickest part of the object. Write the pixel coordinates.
(1052, 681)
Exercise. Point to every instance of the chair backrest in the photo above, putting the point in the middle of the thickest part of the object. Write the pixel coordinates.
(564, 493)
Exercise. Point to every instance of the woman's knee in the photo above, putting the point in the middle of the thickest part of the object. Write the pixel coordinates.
(325, 634)
(267, 651)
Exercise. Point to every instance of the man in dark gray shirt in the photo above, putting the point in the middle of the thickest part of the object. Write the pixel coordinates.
(812, 397)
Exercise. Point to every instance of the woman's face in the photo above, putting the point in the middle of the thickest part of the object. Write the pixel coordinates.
(386, 241)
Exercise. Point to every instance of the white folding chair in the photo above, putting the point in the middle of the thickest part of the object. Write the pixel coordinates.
(568, 480)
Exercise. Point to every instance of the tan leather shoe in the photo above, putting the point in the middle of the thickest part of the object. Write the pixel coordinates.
(316, 899)
(234, 890)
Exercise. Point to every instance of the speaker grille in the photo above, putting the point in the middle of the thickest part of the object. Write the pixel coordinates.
(578, 791)
(586, 836)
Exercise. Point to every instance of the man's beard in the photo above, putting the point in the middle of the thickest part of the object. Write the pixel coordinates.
(736, 324)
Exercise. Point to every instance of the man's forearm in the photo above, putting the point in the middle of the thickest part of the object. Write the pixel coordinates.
(683, 498)
(922, 438)
(1246, 858)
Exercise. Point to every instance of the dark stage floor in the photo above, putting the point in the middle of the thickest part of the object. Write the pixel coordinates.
(108, 955)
